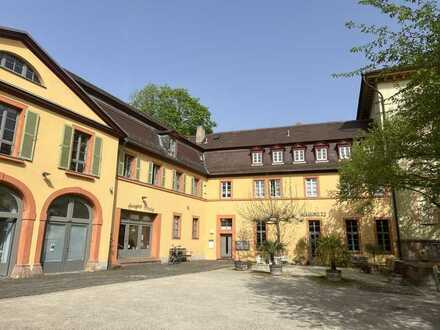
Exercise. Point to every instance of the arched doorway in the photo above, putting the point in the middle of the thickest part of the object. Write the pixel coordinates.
(10, 212)
(67, 235)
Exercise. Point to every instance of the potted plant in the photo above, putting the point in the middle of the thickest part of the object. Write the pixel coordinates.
(331, 251)
(271, 250)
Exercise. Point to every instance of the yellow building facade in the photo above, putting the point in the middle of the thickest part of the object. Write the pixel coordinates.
(87, 182)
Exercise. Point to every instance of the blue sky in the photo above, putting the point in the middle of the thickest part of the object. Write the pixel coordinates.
(253, 63)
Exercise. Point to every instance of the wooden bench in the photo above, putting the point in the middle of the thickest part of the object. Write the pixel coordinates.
(361, 262)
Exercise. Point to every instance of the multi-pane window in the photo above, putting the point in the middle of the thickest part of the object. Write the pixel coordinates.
(299, 155)
(311, 187)
(314, 234)
(128, 165)
(195, 228)
(277, 156)
(155, 174)
(275, 187)
(257, 158)
(79, 151)
(18, 66)
(321, 154)
(259, 188)
(344, 152)
(383, 235)
(351, 227)
(226, 224)
(261, 233)
(195, 183)
(177, 183)
(176, 226)
(226, 189)
(8, 124)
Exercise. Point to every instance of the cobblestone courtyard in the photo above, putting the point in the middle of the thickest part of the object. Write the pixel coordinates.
(216, 299)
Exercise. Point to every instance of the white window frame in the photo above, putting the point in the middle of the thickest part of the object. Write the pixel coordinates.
(275, 193)
(226, 189)
(321, 154)
(277, 157)
(311, 187)
(344, 152)
(257, 157)
(259, 188)
(299, 152)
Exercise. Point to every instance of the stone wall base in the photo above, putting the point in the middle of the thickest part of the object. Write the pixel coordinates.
(26, 271)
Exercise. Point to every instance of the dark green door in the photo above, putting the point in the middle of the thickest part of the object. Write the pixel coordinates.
(67, 234)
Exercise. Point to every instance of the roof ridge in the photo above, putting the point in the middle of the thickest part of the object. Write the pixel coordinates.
(279, 127)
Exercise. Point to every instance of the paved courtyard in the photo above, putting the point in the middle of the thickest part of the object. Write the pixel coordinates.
(223, 299)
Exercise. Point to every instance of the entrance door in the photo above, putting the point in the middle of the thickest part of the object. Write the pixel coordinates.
(314, 234)
(9, 214)
(135, 231)
(226, 246)
(67, 235)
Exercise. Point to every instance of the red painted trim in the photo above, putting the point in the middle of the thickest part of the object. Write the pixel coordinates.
(223, 232)
(28, 215)
(96, 221)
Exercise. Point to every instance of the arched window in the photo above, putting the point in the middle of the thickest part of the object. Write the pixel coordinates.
(17, 65)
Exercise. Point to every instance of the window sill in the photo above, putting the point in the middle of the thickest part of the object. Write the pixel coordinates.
(321, 161)
(282, 163)
(12, 159)
(299, 162)
(257, 164)
(81, 175)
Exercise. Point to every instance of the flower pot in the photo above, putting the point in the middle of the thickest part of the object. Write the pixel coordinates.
(333, 275)
(276, 269)
(241, 265)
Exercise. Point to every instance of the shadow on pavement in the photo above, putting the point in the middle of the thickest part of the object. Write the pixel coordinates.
(343, 305)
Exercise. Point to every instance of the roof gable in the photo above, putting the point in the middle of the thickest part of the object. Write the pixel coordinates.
(57, 86)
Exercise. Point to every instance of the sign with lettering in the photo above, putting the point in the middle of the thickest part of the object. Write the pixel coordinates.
(242, 245)
(314, 214)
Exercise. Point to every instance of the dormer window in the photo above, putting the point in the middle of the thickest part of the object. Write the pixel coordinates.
(169, 144)
(257, 157)
(321, 153)
(277, 156)
(344, 151)
(18, 66)
(299, 154)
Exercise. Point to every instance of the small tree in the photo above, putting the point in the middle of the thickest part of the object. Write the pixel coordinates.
(332, 252)
(271, 211)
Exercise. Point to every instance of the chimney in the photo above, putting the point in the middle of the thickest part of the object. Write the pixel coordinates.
(200, 134)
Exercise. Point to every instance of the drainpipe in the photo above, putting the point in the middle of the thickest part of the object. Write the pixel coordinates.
(393, 192)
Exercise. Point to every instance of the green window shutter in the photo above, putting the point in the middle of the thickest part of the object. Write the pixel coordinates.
(201, 189)
(29, 135)
(174, 180)
(184, 183)
(193, 186)
(65, 147)
(121, 163)
(97, 154)
(138, 168)
(150, 173)
(163, 176)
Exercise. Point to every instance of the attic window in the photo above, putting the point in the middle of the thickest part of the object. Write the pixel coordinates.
(18, 66)
(169, 144)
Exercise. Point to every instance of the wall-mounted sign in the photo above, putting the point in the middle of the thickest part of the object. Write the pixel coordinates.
(314, 214)
(211, 243)
(139, 207)
(242, 245)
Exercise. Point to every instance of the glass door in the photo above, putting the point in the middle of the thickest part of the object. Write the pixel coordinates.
(314, 234)
(6, 237)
